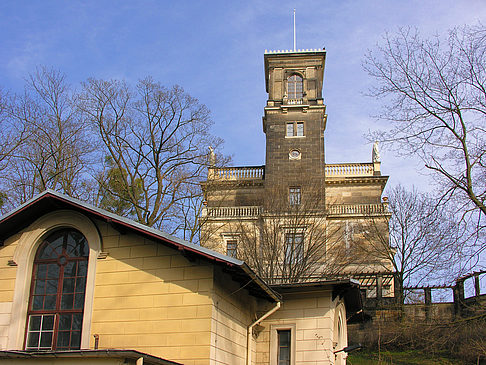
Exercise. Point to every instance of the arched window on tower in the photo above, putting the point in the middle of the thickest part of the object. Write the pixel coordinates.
(294, 87)
(56, 302)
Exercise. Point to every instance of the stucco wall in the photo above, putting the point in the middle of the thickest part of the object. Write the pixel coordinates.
(310, 317)
(147, 297)
(233, 311)
(150, 298)
(7, 284)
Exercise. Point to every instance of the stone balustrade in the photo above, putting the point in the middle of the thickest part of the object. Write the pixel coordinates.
(333, 210)
(357, 209)
(293, 101)
(349, 169)
(236, 173)
(233, 212)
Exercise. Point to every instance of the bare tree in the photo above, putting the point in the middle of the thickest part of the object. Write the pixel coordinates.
(51, 148)
(157, 138)
(424, 242)
(291, 241)
(434, 95)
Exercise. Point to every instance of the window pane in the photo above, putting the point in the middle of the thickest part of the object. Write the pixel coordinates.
(37, 302)
(79, 301)
(50, 302)
(231, 248)
(48, 323)
(34, 323)
(65, 322)
(51, 286)
(63, 339)
(283, 347)
(82, 268)
(290, 129)
(53, 271)
(70, 269)
(46, 340)
(75, 339)
(68, 285)
(41, 271)
(80, 285)
(33, 340)
(67, 301)
(300, 129)
(40, 287)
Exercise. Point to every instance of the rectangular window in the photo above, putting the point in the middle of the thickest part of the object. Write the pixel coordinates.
(283, 352)
(294, 195)
(294, 248)
(40, 332)
(295, 129)
(232, 248)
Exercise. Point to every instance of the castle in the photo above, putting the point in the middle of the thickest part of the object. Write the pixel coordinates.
(298, 218)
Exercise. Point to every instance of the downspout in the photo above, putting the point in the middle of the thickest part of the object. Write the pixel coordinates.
(250, 328)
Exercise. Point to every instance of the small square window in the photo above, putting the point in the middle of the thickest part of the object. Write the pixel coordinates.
(295, 129)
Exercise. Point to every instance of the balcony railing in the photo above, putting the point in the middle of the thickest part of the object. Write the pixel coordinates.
(236, 173)
(233, 212)
(288, 101)
(357, 209)
(349, 169)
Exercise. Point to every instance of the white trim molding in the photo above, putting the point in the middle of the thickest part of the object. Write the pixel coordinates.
(24, 255)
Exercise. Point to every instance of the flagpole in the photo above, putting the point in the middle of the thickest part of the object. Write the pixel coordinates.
(294, 33)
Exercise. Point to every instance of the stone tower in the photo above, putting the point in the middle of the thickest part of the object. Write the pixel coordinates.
(298, 218)
(294, 122)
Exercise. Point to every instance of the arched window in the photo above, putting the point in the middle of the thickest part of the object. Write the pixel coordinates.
(294, 87)
(56, 302)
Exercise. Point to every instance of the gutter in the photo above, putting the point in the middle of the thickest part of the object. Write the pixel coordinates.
(250, 328)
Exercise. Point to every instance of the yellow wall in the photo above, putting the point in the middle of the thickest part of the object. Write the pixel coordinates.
(232, 314)
(150, 298)
(311, 319)
(7, 284)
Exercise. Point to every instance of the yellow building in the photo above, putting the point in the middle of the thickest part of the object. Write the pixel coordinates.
(81, 285)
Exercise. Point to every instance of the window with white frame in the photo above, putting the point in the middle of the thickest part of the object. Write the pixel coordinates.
(282, 344)
(295, 129)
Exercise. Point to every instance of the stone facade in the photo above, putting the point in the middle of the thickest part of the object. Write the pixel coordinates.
(348, 194)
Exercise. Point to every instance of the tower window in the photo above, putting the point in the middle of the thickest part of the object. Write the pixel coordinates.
(232, 248)
(295, 129)
(294, 87)
(294, 248)
(56, 303)
(294, 195)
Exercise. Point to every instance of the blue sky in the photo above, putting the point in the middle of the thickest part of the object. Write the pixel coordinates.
(214, 49)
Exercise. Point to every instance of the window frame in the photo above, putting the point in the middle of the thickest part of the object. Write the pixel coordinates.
(24, 256)
(295, 86)
(295, 129)
(60, 262)
(296, 256)
(274, 328)
(295, 196)
(234, 251)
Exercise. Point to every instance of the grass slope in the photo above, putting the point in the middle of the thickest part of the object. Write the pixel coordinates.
(398, 358)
